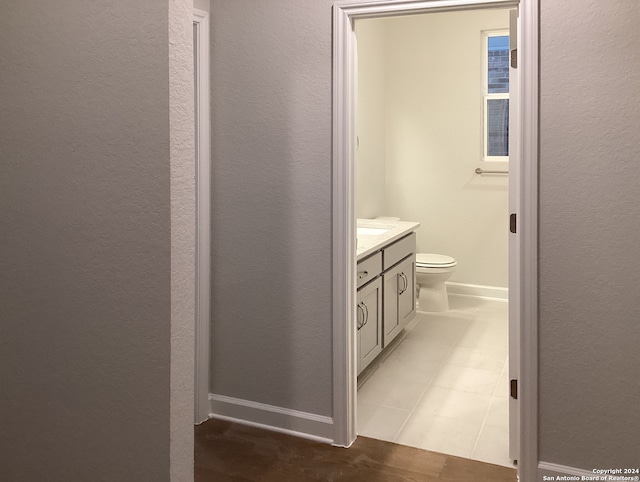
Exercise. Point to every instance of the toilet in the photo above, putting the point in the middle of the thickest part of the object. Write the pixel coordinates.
(432, 270)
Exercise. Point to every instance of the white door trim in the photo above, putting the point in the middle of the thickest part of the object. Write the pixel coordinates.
(344, 286)
(203, 213)
(528, 244)
(514, 238)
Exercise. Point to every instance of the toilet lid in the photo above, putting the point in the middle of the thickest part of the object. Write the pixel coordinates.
(437, 260)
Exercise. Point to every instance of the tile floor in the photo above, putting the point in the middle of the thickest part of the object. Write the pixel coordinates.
(443, 386)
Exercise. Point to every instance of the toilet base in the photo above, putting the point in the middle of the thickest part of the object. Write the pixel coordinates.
(434, 298)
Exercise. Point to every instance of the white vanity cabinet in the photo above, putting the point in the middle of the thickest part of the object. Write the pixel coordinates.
(386, 298)
(369, 322)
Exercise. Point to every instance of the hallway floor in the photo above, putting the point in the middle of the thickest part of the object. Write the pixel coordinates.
(231, 452)
(444, 387)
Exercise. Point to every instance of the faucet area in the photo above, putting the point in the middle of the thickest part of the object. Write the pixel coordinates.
(373, 234)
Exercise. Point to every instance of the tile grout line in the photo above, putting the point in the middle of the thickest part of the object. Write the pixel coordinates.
(482, 426)
(395, 438)
(470, 316)
(381, 362)
(428, 385)
(486, 415)
(484, 421)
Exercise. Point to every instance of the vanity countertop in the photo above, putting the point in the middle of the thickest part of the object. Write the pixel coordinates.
(368, 241)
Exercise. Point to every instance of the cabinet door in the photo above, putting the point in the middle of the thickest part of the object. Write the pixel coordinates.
(369, 323)
(399, 298)
(407, 295)
(391, 321)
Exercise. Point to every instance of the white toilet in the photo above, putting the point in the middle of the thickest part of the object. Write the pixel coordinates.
(432, 270)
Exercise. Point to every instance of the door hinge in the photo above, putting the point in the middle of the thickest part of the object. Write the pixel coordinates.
(514, 59)
(514, 389)
(512, 222)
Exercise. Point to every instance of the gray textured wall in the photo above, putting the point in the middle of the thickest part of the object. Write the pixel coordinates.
(271, 217)
(84, 241)
(589, 232)
(183, 237)
(271, 205)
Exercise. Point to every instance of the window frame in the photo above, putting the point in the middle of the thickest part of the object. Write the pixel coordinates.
(486, 96)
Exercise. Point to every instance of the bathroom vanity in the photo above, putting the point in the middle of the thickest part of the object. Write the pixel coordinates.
(386, 296)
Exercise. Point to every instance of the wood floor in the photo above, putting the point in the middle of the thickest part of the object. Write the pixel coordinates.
(226, 451)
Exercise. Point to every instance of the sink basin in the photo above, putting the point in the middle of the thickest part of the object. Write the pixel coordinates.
(364, 231)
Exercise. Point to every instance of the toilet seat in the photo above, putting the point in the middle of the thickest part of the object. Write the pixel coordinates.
(430, 260)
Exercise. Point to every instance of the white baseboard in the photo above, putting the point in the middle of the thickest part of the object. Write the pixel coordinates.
(478, 291)
(284, 420)
(553, 471)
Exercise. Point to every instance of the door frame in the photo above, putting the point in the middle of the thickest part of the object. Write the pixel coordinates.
(345, 12)
(203, 213)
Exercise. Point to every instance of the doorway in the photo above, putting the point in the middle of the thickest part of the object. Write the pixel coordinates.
(421, 113)
(523, 178)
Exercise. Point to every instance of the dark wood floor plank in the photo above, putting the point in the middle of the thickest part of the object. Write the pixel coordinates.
(457, 469)
(232, 452)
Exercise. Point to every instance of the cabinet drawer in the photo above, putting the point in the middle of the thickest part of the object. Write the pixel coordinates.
(369, 268)
(399, 250)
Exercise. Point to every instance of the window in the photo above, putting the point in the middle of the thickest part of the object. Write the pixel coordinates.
(496, 96)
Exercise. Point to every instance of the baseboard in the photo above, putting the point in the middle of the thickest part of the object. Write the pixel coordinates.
(555, 472)
(284, 420)
(478, 291)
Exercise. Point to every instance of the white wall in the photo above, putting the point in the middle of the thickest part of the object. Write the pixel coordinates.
(432, 109)
(371, 120)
